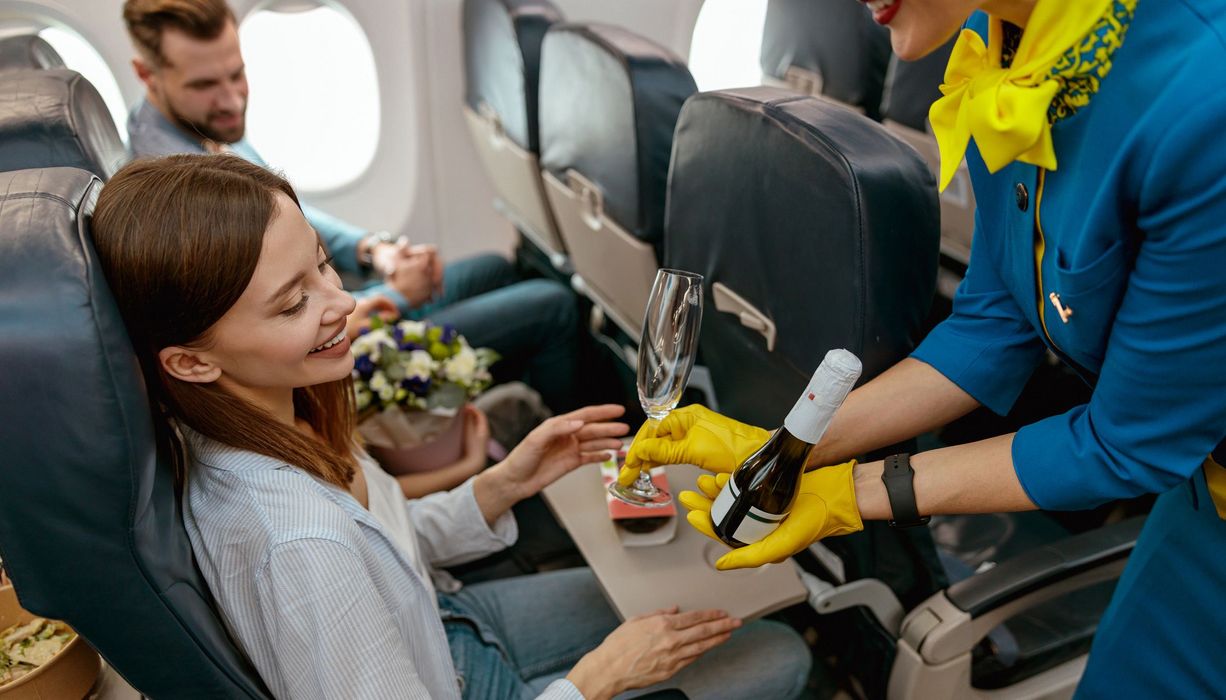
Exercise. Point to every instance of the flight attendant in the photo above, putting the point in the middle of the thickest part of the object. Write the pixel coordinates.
(1092, 130)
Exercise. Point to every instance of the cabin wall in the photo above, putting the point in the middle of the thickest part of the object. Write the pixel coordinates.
(426, 180)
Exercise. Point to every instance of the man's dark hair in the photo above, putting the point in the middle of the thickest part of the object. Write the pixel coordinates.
(148, 19)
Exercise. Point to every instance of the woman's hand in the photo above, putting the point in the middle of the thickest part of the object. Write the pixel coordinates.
(549, 452)
(648, 649)
(476, 439)
(366, 307)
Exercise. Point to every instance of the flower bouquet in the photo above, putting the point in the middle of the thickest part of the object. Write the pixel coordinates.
(410, 380)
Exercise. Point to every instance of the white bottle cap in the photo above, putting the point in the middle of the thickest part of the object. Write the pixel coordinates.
(831, 383)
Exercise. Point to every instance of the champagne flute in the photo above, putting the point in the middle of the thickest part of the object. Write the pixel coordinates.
(666, 356)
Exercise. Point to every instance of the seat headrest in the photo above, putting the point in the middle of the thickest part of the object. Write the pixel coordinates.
(55, 118)
(502, 61)
(609, 104)
(912, 86)
(834, 39)
(28, 51)
(97, 539)
(815, 215)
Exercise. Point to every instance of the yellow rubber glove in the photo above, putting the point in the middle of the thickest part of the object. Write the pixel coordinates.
(692, 435)
(825, 507)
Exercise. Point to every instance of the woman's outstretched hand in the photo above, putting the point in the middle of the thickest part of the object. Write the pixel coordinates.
(552, 450)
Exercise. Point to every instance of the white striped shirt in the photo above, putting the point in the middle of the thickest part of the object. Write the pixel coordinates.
(318, 592)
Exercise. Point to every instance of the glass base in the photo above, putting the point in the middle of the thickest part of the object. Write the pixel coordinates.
(636, 494)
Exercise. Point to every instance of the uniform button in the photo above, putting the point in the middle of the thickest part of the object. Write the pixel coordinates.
(1022, 196)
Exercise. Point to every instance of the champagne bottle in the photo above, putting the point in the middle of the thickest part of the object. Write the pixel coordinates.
(761, 491)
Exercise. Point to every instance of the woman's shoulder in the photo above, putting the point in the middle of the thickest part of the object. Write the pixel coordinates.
(233, 493)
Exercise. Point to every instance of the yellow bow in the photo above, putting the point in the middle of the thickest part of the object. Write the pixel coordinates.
(1005, 109)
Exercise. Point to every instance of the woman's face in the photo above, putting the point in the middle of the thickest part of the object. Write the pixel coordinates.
(917, 27)
(287, 330)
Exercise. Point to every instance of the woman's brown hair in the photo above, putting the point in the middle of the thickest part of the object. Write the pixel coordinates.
(179, 238)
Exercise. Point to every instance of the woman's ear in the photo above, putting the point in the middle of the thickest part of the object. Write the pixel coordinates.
(188, 365)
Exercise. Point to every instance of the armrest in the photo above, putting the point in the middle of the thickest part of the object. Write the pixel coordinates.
(950, 623)
(1045, 566)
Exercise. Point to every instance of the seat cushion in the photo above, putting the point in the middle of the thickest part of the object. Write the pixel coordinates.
(28, 51)
(912, 86)
(835, 39)
(502, 55)
(55, 118)
(609, 105)
(97, 538)
(816, 216)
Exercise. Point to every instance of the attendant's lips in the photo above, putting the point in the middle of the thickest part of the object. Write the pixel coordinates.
(883, 10)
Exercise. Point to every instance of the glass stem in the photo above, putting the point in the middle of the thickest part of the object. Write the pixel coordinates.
(644, 482)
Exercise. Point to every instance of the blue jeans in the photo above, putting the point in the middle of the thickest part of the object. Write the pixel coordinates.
(533, 324)
(511, 638)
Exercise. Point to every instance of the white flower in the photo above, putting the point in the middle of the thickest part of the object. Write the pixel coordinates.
(362, 396)
(462, 367)
(412, 329)
(387, 393)
(420, 365)
(378, 381)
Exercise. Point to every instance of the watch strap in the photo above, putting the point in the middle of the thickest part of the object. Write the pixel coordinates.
(899, 477)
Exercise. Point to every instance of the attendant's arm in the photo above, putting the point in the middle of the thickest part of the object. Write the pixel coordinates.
(331, 635)
(906, 400)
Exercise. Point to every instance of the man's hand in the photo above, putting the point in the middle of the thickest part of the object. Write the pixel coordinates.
(825, 507)
(412, 276)
(692, 435)
(436, 266)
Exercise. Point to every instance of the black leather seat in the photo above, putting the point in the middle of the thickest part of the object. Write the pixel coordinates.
(54, 118)
(28, 51)
(815, 229)
(910, 90)
(609, 105)
(90, 521)
(502, 55)
(826, 48)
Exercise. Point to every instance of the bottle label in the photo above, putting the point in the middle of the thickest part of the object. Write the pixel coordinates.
(756, 524)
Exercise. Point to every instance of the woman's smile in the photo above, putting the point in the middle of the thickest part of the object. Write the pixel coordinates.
(337, 346)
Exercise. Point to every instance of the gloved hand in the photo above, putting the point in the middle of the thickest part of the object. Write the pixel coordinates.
(692, 435)
(825, 507)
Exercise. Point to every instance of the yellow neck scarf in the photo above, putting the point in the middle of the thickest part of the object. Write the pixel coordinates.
(1006, 109)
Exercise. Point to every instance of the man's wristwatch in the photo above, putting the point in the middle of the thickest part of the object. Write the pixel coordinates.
(898, 478)
(366, 247)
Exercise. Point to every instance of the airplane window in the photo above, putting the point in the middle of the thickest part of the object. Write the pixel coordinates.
(314, 103)
(727, 41)
(80, 56)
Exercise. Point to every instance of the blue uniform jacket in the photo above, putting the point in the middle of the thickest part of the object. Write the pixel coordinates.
(1131, 234)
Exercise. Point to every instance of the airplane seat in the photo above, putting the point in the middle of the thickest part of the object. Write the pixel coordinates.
(56, 118)
(609, 104)
(90, 519)
(815, 229)
(502, 53)
(28, 51)
(826, 48)
(910, 89)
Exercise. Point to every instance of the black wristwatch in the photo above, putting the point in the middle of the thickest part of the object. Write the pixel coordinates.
(898, 477)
